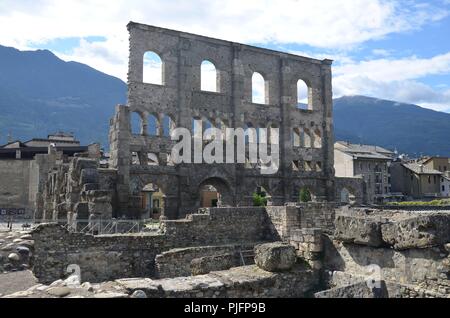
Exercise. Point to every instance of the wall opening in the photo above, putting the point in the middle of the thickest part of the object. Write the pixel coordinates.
(197, 128)
(153, 125)
(209, 197)
(153, 201)
(296, 138)
(168, 126)
(214, 192)
(306, 138)
(258, 89)
(209, 77)
(303, 96)
(153, 72)
(347, 197)
(136, 123)
(317, 139)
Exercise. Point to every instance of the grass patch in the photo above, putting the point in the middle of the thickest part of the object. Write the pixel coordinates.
(442, 202)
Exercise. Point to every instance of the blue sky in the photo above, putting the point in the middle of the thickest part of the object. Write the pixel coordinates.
(390, 49)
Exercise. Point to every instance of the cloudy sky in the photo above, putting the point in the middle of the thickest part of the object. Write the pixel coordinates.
(390, 49)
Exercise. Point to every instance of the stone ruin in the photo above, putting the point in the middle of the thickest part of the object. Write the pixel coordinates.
(286, 249)
(253, 252)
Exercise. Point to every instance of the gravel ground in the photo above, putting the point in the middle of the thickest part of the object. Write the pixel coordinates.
(16, 281)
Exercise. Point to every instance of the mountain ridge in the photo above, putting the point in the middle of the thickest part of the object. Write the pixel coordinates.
(41, 94)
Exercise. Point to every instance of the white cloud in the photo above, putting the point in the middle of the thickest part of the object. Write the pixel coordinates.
(395, 79)
(333, 26)
(325, 24)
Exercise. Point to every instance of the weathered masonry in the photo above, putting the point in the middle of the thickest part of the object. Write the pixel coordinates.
(142, 158)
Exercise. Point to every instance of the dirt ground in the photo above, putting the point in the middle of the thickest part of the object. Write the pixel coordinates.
(16, 281)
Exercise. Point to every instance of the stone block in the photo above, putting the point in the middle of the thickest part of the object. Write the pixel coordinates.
(358, 230)
(418, 232)
(205, 265)
(275, 257)
(89, 175)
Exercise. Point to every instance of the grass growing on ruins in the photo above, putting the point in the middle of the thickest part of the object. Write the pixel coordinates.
(443, 202)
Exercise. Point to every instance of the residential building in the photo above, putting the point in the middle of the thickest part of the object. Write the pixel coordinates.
(445, 185)
(416, 181)
(441, 164)
(366, 161)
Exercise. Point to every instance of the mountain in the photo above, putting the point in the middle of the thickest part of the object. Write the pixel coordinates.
(42, 94)
(408, 128)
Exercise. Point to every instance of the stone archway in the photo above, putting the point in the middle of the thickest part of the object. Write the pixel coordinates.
(153, 202)
(214, 192)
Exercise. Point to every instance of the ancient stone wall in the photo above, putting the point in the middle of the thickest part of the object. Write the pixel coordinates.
(179, 262)
(284, 220)
(220, 226)
(106, 257)
(180, 98)
(404, 247)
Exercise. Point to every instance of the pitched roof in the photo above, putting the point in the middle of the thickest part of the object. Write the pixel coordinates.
(420, 169)
(365, 151)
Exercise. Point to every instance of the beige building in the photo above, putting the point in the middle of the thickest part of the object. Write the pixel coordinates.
(368, 162)
(416, 181)
(441, 164)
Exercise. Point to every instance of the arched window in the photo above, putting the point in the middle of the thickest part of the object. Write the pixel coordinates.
(207, 125)
(153, 125)
(136, 123)
(317, 139)
(197, 129)
(306, 138)
(251, 134)
(168, 126)
(303, 96)
(258, 89)
(274, 134)
(153, 69)
(209, 77)
(296, 139)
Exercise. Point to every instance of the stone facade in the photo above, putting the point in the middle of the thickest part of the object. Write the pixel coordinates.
(180, 99)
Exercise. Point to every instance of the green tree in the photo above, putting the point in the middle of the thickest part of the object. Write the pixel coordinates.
(305, 195)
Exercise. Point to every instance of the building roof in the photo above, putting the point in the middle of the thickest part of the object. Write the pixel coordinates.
(420, 169)
(428, 159)
(364, 151)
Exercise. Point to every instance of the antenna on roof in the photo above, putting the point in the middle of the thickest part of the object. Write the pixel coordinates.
(10, 139)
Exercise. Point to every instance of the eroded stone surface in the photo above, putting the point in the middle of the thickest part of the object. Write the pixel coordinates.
(275, 257)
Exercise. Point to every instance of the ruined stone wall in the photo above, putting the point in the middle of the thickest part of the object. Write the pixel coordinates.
(100, 258)
(284, 220)
(239, 282)
(181, 262)
(180, 98)
(408, 248)
(220, 226)
(107, 257)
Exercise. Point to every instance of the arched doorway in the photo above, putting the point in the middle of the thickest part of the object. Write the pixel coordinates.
(347, 197)
(214, 192)
(209, 197)
(153, 202)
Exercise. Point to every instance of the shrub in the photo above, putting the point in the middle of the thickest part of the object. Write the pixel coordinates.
(259, 199)
(305, 195)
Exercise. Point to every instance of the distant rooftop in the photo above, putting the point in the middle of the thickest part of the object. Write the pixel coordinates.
(364, 151)
(420, 169)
